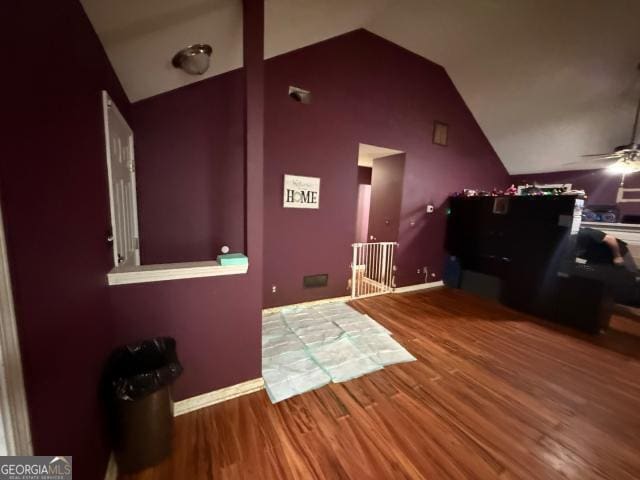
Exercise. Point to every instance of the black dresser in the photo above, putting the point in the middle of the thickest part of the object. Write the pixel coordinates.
(521, 251)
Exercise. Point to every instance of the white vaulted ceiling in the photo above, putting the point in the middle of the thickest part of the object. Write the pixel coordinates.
(547, 80)
(368, 153)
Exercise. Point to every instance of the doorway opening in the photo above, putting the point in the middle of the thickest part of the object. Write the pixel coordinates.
(380, 182)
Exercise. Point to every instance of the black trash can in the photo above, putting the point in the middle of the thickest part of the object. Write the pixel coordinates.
(140, 406)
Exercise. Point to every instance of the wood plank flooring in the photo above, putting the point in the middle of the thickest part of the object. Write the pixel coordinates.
(492, 395)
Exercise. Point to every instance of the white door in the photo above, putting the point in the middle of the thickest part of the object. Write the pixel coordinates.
(122, 185)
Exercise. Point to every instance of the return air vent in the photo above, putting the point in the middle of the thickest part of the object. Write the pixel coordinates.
(313, 281)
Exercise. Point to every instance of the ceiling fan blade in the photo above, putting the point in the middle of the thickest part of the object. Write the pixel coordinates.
(604, 161)
(597, 158)
(608, 154)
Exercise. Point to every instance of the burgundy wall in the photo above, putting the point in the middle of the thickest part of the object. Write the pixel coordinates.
(216, 321)
(386, 197)
(56, 213)
(190, 170)
(600, 185)
(395, 107)
(404, 94)
(192, 144)
(55, 200)
(364, 175)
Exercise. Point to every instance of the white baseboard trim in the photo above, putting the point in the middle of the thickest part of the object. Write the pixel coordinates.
(409, 288)
(306, 304)
(112, 469)
(419, 286)
(217, 396)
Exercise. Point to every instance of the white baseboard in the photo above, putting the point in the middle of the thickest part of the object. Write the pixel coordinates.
(419, 286)
(217, 396)
(306, 304)
(112, 469)
(410, 288)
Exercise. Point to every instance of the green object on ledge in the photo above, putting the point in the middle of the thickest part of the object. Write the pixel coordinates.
(232, 259)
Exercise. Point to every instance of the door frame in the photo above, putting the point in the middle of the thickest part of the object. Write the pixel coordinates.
(14, 414)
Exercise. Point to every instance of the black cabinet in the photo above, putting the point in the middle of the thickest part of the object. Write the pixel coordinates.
(527, 245)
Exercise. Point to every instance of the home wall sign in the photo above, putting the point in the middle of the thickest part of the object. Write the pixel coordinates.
(301, 192)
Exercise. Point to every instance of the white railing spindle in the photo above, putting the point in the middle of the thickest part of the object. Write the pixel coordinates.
(372, 269)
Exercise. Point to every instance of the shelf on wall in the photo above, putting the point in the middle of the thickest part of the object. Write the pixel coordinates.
(171, 271)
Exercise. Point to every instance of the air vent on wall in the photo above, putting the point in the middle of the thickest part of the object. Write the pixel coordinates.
(313, 281)
(300, 95)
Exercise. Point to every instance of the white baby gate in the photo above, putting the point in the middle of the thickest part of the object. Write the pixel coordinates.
(372, 269)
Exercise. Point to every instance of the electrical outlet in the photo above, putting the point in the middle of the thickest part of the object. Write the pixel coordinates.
(418, 272)
(274, 289)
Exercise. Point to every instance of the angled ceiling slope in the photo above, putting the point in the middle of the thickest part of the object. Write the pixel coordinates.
(546, 80)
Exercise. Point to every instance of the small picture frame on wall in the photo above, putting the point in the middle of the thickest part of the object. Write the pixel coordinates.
(501, 205)
(440, 133)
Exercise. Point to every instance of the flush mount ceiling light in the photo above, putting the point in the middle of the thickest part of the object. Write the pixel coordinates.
(194, 59)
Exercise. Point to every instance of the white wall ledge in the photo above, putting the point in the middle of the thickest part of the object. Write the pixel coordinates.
(171, 271)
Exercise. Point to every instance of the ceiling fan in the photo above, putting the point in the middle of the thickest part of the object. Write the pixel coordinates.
(625, 158)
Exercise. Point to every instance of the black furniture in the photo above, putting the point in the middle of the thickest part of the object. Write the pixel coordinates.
(521, 251)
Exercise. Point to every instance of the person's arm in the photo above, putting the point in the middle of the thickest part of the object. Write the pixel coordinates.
(612, 243)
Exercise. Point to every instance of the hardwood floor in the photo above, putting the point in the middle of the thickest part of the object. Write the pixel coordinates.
(492, 395)
(626, 320)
